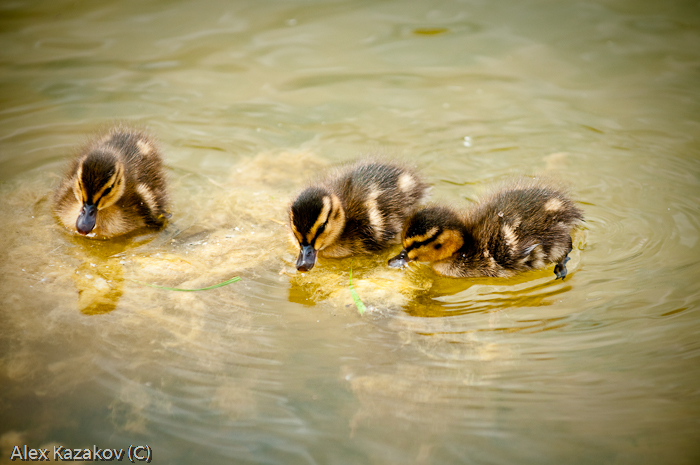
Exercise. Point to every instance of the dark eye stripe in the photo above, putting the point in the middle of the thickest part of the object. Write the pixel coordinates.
(320, 229)
(415, 245)
(83, 194)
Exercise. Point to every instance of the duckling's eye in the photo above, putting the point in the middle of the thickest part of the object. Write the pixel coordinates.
(320, 230)
(107, 191)
(437, 246)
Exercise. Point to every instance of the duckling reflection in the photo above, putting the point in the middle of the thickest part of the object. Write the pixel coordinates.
(379, 288)
(357, 209)
(100, 286)
(114, 186)
(522, 227)
(480, 295)
(99, 279)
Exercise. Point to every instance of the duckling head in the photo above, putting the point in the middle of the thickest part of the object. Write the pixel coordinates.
(317, 218)
(430, 235)
(99, 183)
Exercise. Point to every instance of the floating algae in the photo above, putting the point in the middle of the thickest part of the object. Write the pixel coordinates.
(355, 297)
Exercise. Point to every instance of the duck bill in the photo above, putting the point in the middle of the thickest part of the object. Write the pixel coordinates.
(307, 258)
(400, 260)
(86, 219)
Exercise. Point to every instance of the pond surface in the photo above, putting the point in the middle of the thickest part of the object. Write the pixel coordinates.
(252, 100)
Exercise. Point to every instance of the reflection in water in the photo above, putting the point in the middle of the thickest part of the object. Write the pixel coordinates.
(380, 288)
(99, 279)
(99, 286)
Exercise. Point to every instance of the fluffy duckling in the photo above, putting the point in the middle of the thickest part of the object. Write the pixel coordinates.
(522, 227)
(358, 209)
(114, 186)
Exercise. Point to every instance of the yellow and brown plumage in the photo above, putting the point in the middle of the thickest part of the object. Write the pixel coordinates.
(357, 209)
(114, 186)
(523, 226)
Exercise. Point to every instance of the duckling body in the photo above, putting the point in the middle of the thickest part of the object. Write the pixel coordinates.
(114, 186)
(524, 226)
(358, 209)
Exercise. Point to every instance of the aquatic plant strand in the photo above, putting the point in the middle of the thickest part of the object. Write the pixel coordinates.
(355, 296)
(228, 281)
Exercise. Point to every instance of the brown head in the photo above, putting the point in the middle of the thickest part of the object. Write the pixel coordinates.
(99, 183)
(430, 235)
(317, 219)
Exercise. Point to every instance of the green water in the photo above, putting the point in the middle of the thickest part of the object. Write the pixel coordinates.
(250, 101)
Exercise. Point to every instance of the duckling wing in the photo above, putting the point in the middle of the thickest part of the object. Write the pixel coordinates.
(378, 198)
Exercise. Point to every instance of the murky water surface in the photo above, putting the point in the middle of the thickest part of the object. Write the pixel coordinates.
(251, 100)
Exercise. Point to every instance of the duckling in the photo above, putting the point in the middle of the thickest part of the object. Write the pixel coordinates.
(358, 209)
(522, 227)
(114, 186)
